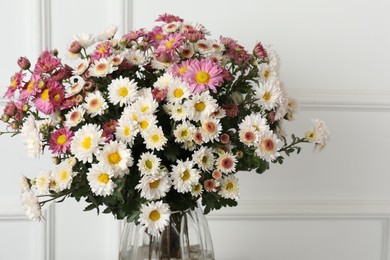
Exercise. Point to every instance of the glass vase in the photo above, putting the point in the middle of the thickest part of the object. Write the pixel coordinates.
(186, 237)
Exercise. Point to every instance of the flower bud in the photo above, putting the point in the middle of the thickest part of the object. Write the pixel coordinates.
(54, 52)
(25, 107)
(24, 63)
(56, 160)
(15, 125)
(239, 154)
(10, 109)
(75, 47)
(5, 118)
(260, 52)
(224, 138)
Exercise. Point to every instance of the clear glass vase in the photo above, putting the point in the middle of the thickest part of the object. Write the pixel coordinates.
(187, 237)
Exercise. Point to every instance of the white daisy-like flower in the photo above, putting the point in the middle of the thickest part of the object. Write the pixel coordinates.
(211, 129)
(211, 185)
(101, 68)
(176, 111)
(267, 72)
(217, 46)
(187, 51)
(145, 106)
(81, 67)
(100, 179)
(197, 190)
(62, 178)
(204, 158)
(31, 137)
(146, 122)
(267, 146)
(318, 134)
(24, 184)
(42, 182)
(273, 57)
(256, 121)
(269, 94)
(292, 108)
(155, 217)
(117, 156)
(229, 187)
(84, 39)
(183, 132)
(203, 46)
(154, 189)
(75, 88)
(189, 145)
(154, 138)
(86, 142)
(108, 33)
(31, 206)
(201, 106)
(136, 57)
(178, 90)
(95, 104)
(226, 162)
(149, 164)
(126, 130)
(122, 91)
(74, 117)
(248, 135)
(116, 59)
(197, 137)
(70, 162)
(171, 27)
(184, 176)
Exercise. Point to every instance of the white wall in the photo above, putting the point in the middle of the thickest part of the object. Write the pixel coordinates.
(333, 205)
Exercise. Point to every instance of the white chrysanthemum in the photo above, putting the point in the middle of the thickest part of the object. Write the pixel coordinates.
(100, 179)
(86, 142)
(116, 59)
(267, 146)
(269, 94)
(183, 132)
(95, 104)
(101, 68)
(229, 187)
(75, 88)
(177, 89)
(273, 57)
(184, 176)
(318, 134)
(84, 39)
(155, 217)
(154, 189)
(42, 182)
(74, 117)
(204, 158)
(217, 46)
(211, 129)
(248, 135)
(197, 190)
(189, 145)
(122, 91)
(292, 108)
(171, 27)
(154, 138)
(108, 33)
(194, 26)
(145, 106)
(203, 46)
(81, 67)
(24, 184)
(256, 121)
(226, 163)
(146, 122)
(126, 130)
(62, 178)
(267, 72)
(31, 137)
(176, 111)
(149, 164)
(136, 57)
(31, 206)
(70, 162)
(117, 156)
(201, 106)
(145, 93)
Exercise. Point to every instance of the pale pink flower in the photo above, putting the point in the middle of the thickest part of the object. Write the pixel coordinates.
(203, 75)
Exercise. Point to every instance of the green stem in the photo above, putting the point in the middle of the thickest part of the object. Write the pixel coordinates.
(295, 142)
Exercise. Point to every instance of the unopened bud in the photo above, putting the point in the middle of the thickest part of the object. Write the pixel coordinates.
(239, 154)
(56, 160)
(5, 118)
(24, 63)
(75, 47)
(54, 52)
(15, 125)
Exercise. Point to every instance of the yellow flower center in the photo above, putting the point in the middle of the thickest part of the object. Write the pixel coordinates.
(155, 138)
(200, 106)
(186, 175)
(229, 186)
(184, 133)
(205, 159)
(13, 83)
(103, 178)
(266, 74)
(45, 95)
(149, 164)
(158, 36)
(102, 49)
(114, 158)
(126, 131)
(267, 96)
(144, 108)
(178, 93)
(202, 77)
(64, 175)
(86, 143)
(154, 215)
(310, 136)
(144, 124)
(30, 86)
(123, 92)
(154, 184)
(61, 140)
(168, 44)
(182, 70)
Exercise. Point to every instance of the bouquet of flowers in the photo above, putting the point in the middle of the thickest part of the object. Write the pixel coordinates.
(152, 122)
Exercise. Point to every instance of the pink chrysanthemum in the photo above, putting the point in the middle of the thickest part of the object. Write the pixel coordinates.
(47, 62)
(168, 18)
(16, 83)
(60, 141)
(103, 50)
(50, 98)
(109, 129)
(171, 44)
(179, 69)
(203, 75)
(155, 36)
(31, 88)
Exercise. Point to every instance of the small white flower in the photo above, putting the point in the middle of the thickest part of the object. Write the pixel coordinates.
(149, 164)
(184, 176)
(183, 132)
(115, 155)
(126, 130)
(75, 88)
(122, 91)
(154, 189)
(211, 129)
(84, 39)
(62, 177)
(267, 146)
(226, 163)
(269, 94)
(99, 179)
(318, 134)
(229, 187)
(81, 67)
(75, 116)
(86, 142)
(32, 137)
(95, 104)
(201, 106)
(108, 33)
(42, 182)
(24, 184)
(136, 57)
(176, 111)
(154, 138)
(204, 158)
(155, 217)
(31, 206)
(101, 68)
